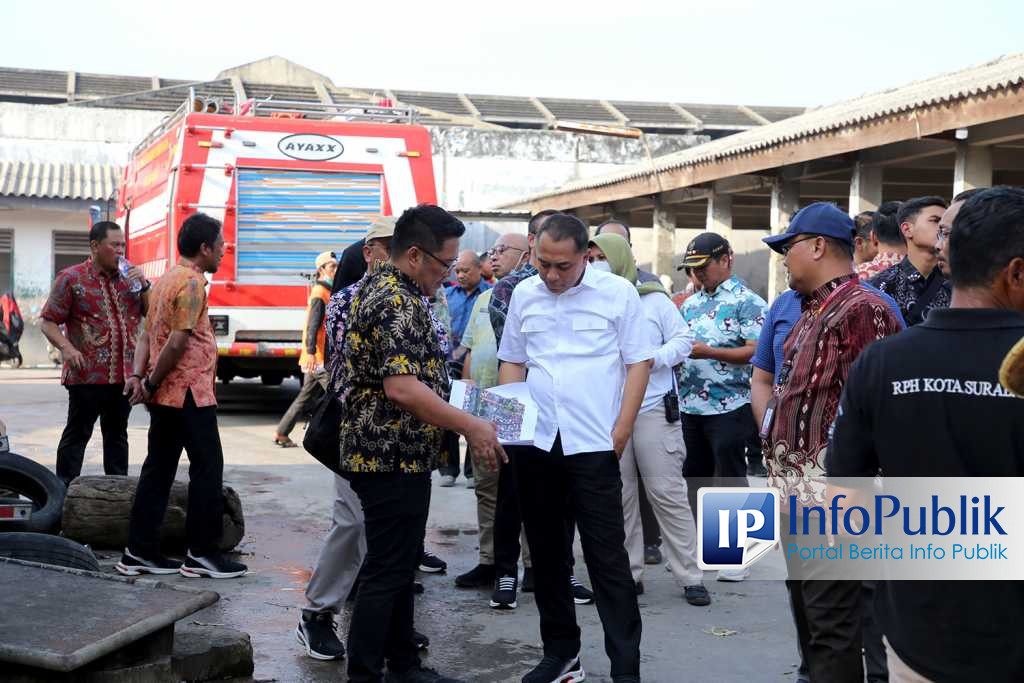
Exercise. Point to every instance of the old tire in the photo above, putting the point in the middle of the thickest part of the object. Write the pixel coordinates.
(47, 549)
(35, 482)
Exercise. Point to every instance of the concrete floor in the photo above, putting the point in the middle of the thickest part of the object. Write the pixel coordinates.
(745, 635)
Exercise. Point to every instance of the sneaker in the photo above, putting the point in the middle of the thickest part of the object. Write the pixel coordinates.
(581, 595)
(639, 587)
(418, 674)
(625, 678)
(417, 588)
(316, 633)
(652, 554)
(697, 595)
(447, 480)
(420, 641)
(556, 670)
(528, 583)
(477, 577)
(432, 564)
(212, 566)
(504, 596)
(756, 469)
(133, 565)
(734, 575)
(470, 483)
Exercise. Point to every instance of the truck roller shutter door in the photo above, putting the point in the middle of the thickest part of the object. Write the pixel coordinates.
(286, 218)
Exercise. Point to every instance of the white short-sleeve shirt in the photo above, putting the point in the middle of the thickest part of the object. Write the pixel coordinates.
(575, 346)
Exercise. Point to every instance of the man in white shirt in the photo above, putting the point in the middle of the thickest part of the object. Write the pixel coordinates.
(579, 333)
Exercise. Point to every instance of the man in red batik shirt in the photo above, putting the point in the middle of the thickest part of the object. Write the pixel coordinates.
(101, 314)
(840, 318)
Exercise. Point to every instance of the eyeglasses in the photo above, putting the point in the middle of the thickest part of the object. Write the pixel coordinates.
(784, 249)
(501, 249)
(448, 265)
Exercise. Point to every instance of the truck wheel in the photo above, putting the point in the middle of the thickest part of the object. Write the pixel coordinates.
(271, 380)
(35, 482)
(47, 549)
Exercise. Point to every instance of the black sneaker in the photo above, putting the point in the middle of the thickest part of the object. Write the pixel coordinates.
(432, 564)
(504, 596)
(697, 595)
(316, 633)
(639, 587)
(420, 641)
(556, 670)
(581, 595)
(212, 566)
(652, 554)
(133, 565)
(528, 583)
(625, 678)
(477, 577)
(419, 674)
(417, 588)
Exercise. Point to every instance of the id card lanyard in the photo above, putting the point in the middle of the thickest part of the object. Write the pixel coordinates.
(787, 366)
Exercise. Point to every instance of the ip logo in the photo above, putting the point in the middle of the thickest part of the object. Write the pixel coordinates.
(736, 526)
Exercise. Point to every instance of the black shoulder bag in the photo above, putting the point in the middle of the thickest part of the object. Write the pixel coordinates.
(323, 433)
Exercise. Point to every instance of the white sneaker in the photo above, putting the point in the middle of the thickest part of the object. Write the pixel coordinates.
(447, 480)
(734, 575)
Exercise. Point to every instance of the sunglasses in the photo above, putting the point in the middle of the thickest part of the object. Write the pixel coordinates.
(784, 249)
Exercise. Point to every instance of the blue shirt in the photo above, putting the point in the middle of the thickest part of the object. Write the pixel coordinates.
(782, 315)
(729, 318)
(460, 305)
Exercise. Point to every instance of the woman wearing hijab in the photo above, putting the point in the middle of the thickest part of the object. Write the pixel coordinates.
(656, 449)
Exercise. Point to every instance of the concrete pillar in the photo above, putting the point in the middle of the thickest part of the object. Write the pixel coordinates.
(973, 167)
(865, 188)
(720, 214)
(785, 203)
(664, 224)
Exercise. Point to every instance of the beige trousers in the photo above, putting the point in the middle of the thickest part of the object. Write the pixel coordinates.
(486, 502)
(656, 450)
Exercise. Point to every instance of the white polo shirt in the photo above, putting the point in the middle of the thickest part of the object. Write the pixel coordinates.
(576, 346)
(672, 340)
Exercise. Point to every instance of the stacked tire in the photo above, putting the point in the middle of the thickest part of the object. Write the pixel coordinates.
(34, 539)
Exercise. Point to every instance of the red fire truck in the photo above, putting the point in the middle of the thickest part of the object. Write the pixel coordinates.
(304, 179)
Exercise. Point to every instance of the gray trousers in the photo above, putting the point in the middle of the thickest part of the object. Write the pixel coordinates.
(656, 451)
(342, 555)
(314, 384)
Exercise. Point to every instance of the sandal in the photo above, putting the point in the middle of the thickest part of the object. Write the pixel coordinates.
(284, 442)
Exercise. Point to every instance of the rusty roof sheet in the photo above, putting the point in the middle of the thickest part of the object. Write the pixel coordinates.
(58, 181)
(998, 74)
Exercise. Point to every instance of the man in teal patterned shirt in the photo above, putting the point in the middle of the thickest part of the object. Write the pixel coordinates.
(714, 391)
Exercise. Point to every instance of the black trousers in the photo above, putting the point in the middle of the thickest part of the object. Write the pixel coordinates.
(86, 402)
(648, 522)
(170, 430)
(591, 484)
(716, 448)
(508, 520)
(829, 620)
(395, 510)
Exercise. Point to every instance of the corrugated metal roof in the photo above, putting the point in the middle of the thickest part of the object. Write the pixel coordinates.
(58, 181)
(998, 74)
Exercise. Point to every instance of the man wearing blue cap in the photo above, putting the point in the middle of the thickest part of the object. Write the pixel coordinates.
(840, 317)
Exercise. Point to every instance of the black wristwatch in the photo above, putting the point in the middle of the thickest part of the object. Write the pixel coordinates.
(149, 386)
(145, 287)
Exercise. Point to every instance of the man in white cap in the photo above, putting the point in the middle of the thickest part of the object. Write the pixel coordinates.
(311, 360)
